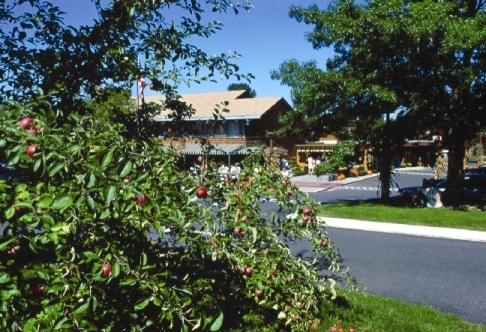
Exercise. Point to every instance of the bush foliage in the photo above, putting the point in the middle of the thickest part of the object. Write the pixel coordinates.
(104, 229)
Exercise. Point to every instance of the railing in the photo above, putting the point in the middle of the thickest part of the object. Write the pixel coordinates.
(248, 141)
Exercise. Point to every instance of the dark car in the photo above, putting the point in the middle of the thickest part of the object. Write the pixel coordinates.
(476, 170)
(474, 191)
(415, 196)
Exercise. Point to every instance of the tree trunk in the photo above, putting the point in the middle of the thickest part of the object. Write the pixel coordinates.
(456, 154)
(365, 159)
(384, 165)
(385, 176)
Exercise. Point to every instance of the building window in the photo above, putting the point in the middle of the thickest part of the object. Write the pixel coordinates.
(233, 129)
(220, 130)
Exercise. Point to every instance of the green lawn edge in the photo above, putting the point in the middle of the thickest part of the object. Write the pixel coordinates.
(432, 217)
(367, 312)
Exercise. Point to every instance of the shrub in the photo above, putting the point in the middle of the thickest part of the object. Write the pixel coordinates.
(106, 231)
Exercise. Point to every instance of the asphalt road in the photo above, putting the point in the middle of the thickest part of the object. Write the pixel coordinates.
(367, 189)
(448, 275)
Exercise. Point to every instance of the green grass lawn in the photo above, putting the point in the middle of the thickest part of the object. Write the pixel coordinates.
(440, 217)
(376, 313)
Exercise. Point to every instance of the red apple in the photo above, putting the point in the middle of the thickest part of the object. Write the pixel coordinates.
(32, 131)
(258, 292)
(199, 159)
(31, 150)
(40, 289)
(274, 273)
(142, 199)
(352, 329)
(288, 193)
(305, 219)
(26, 123)
(307, 210)
(202, 192)
(106, 270)
(324, 243)
(249, 271)
(237, 231)
(285, 182)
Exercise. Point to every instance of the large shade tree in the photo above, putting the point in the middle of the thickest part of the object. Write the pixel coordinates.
(419, 60)
(104, 231)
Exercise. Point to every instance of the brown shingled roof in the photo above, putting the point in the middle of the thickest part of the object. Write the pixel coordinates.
(239, 107)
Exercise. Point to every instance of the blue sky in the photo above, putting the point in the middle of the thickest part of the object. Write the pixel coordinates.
(264, 37)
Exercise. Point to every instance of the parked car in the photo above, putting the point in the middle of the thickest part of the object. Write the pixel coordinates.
(474, 191)
(415, 196)
(476, 170)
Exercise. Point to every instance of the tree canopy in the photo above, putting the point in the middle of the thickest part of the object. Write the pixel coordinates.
(242, 86)
(422, 61)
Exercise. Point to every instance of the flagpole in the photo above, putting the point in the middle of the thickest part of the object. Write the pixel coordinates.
(137, 87)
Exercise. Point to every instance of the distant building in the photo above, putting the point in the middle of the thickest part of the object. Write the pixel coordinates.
(243, 127)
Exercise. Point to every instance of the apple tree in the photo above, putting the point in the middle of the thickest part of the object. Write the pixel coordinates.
(103, 230)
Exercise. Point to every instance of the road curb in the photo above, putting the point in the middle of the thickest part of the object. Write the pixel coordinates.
(424, 231)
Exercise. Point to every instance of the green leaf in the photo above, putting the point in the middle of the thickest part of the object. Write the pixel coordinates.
(47, 218)
(107, 159)
(54, 238)
(254, 234)
(29, 325)
(4, 245)
(109, 193)
(92, 180)
(45, 202)
(60, 322)
(23, 195)
(10, 212)
(105, 214)
(37, 165)
(143, 259)
(53, 171)
(20, 187)
(129, 281)
(142, 304)
(61, 202)
(82, 308)
(126, 169)
(115, 270)
(217, 323)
